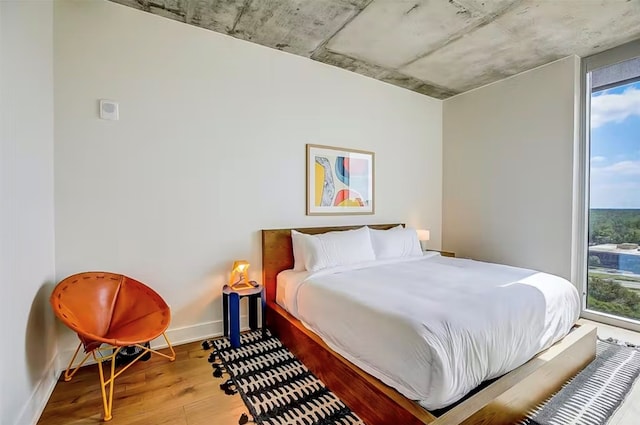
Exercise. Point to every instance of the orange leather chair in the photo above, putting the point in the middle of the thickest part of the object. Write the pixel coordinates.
(113, 310)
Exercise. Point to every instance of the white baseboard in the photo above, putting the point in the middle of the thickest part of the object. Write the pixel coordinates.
(177, 336)
(36, 403)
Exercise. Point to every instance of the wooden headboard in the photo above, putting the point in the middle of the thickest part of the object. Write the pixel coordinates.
(277, 252)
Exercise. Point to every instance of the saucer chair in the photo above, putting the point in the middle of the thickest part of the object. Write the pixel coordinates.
(108, 312)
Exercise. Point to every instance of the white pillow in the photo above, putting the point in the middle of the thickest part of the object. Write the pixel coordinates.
(339, 248)
(395, 243)
(297, 240)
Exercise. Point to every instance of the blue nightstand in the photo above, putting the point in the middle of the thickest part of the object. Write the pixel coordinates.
(231, 311)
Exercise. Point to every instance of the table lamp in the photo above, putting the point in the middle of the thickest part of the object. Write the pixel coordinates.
(423, 236)
(239, 272)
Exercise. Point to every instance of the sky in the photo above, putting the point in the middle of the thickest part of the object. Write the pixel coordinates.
(615, 147)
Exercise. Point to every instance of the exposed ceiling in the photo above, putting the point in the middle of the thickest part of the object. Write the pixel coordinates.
(435, 47)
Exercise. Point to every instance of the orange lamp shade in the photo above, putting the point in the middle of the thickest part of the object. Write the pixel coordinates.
(239, 278)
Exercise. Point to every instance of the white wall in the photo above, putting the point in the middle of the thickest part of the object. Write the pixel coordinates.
(26, 212)
(508, 169)
(209, 149)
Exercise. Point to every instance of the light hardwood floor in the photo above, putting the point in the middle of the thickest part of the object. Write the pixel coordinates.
(155, 392)
(184, 393)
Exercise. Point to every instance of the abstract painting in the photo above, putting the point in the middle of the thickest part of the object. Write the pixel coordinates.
(339, 181)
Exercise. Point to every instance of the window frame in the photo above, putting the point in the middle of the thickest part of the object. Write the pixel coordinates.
(582, 170)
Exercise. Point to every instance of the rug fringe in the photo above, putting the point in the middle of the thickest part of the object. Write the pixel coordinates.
(619, 342)
(218, 370)
(229, 387)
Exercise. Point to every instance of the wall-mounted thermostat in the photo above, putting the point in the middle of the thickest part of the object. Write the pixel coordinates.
(108, 110)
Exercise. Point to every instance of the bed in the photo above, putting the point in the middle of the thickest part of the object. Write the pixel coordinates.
(353, 338)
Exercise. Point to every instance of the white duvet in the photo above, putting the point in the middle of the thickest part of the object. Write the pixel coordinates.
(432, 327)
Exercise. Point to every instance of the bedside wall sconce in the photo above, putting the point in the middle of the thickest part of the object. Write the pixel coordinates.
(240, 272)
(423, 236)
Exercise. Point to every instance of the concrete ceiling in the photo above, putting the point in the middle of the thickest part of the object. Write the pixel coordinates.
(434, 47)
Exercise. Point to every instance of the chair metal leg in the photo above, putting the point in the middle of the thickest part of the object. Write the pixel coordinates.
(67, 375)
(107, 401)
(172, 357)
(107, 397)
(112, 382)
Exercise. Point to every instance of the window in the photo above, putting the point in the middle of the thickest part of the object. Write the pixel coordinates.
(612, 195)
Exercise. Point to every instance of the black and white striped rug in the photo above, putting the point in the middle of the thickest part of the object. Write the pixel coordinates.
(276, 387)
(593, 395)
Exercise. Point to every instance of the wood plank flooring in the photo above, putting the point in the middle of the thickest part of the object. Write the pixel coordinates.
(156, 392)
(184, 392)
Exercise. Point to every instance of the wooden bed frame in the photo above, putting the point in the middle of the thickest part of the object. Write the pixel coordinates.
(505, 401)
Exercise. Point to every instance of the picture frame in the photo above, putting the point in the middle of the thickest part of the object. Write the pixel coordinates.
(340, 181)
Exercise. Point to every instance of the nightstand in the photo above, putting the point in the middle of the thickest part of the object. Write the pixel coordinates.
(443, 253)
(231, 311)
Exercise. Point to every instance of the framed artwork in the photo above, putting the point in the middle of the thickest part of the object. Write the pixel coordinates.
(339, 181)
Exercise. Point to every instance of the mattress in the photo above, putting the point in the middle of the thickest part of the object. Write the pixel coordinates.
(432, 327)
